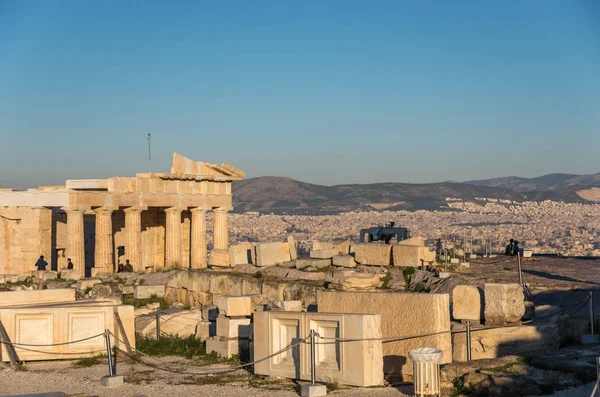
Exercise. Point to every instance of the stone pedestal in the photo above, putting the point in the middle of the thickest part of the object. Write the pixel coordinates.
(313, 390)
(133, 229)
(103, 259)
(75, 244)
(220, 254)
(198, 241)
(173, 237)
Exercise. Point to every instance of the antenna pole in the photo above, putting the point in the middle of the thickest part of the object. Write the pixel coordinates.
(149, 158)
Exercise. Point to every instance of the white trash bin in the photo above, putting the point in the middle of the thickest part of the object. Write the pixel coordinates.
(426, 370)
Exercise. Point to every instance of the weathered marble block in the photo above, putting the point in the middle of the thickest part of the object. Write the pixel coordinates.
(357, 363)
(402, 314)
(233, 306)
(467, 303)
(373, 254)
(504, 303)
(269, 254)
(146, 291)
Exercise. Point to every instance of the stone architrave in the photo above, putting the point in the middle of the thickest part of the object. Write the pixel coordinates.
(103, 254)
(293, 247)
(373, 254)
(173, 237)
(133, 230)
(357, 363)
(402, 315)
(504, 303)
(467, 303)
(198, 247)
(220, 254)
(76, 242)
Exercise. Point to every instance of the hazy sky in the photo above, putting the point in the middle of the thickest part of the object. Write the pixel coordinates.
(322, 91)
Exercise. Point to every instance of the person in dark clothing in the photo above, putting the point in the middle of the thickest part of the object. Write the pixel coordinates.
(69, 264)
(41, 263)
(515, 248)
(128, 267)
(509, 248)
(120, 268)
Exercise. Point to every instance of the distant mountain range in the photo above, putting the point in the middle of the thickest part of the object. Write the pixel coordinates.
(282, 195)
(550, 182)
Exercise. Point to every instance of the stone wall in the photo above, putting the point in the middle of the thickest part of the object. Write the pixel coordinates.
(197, 288)
(25, 234)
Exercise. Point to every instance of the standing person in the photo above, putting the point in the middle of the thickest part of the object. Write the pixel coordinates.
(515, 248)
(128, 267)
(69, 264)
(509, 248)
(41, 263)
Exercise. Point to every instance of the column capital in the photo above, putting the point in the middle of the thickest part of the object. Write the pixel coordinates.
(175, 209)
(200, 209)
(108, 209)
(222, 209)
(134, 209)
(75, 209)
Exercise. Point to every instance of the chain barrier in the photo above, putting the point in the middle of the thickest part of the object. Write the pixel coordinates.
(223, 371)
(15, 344)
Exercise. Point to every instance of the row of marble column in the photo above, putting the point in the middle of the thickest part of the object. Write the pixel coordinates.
(104, 250)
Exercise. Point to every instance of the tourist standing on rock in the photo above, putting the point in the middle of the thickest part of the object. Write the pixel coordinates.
(41, 263)
(510, 248)
(69, 264)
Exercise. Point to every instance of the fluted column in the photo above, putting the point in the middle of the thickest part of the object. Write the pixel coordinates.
(103, 254)
(220, 254)
(173, 237)
(198, 240)
(75, 245)
(133, 227)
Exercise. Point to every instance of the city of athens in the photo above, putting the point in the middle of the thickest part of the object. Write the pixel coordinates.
(317, 198)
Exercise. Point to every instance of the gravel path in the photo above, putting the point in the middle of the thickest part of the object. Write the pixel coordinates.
(63, 376)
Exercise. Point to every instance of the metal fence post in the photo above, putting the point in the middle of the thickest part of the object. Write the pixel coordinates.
(468, 340)
(519, 267)
(312, 357)
(111, 370)
(157, 324)
(591, 306)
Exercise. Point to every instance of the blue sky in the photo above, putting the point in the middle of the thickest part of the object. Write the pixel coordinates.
(327, 92)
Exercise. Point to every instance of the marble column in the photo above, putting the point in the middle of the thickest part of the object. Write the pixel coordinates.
(76, 239)
(198, 240)
(220, 254)
(173, 237)
(133, 230)
(103, 255)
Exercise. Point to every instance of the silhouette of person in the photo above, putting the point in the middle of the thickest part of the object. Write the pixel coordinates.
(128, 267)
(41, 263)
(69, 264)
(510, 248)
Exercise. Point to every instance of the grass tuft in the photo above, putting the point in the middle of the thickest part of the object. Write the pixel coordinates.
(171, 346)
(90, 361)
